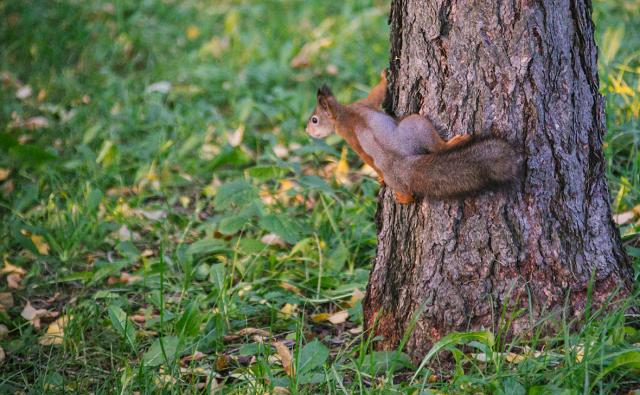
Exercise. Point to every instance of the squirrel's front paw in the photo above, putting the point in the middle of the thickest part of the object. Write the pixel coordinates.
(404, 198)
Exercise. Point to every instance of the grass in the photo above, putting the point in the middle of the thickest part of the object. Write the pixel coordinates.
(160, 194)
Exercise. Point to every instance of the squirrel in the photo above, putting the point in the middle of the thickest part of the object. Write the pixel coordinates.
(408, 154)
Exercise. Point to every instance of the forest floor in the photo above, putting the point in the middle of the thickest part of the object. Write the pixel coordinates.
(167, 226)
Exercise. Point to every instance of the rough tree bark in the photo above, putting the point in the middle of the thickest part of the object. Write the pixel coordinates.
(526, 71)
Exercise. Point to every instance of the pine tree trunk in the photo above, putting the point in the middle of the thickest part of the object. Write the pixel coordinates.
(525, 71)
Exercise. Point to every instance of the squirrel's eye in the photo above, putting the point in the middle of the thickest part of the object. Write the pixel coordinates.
(314, 119)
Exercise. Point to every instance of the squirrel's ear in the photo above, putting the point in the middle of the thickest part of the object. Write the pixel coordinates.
(325, 96)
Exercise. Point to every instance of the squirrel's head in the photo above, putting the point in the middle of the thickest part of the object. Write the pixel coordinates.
(322, 121)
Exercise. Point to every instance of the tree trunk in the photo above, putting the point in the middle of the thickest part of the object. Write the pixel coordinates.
(525, 71)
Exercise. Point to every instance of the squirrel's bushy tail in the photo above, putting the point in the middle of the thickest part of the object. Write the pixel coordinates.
(464, 170)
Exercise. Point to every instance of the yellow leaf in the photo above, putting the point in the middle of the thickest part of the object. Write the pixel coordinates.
(9, 268)
(193, 32)
(342, 169)
(320, 317)
(4, 173)
(288, 309)
(41, 245)
(355, 297)
(55, 332)
(285, 357)
(514, 358)
(339, 317)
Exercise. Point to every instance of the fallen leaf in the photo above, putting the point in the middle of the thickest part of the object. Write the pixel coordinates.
(55, 332)
(2, 356)
(339, 317)
(196, 356)
(288, 309)
(35, 123)
(154, 215)
(273, 239)
(355, 297)
(290, 287)
(42, 94)
(281, 151)
(624, 218)
(514, 358)
(222, 362)
(285, 357)
(6, 301)
(246, 332)
(303, 58)
(160, 87)
(280, 391)
(4, 173)
(24, 92)
(342, 169)
(356, 331)
(139, 318)
(214, 47)
(33, 315)
(320, 317)
(4, 331)
(41, 245)
(332, 69)
(192, 32)
(9, 268)
(124, 234)
(14, 280)
(234, 139)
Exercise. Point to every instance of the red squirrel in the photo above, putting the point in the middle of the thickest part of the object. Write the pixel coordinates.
(408, 154)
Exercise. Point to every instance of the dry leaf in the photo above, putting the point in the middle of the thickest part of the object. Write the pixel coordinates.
(320, 317)
(42, 94)
(35, 123)
(6, 301)
(139, 318)
(55, 332)
(2, 356)
(154, 215)
(288, 309)
(124, 234)
(14, 280)
(332, 69)
(214, 47)
(285, 357)
(339, 317)
(4, 331)
(342, 169)
(290, 287)
(160, 87)
(303, 58)
(355, 297)
(4, 173)
(9, 268)
(196, 356)
(234, 139)
(193, 32)
(41, 245)
(33, 315)
(246, 332)
(24, 92)
(281, 151)
(624, 218)
(273, 239)
(514, 358)
(356, 331)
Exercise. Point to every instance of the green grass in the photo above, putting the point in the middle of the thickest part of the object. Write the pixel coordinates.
(174, 145)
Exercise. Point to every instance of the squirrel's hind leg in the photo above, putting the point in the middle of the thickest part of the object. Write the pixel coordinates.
(403, 198)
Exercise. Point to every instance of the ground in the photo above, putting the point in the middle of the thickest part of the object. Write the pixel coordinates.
(167, 225)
